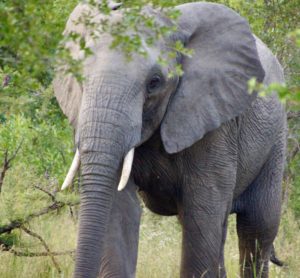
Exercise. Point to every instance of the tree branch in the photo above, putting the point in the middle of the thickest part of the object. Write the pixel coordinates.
(50, 194)
(33, 234)
(16, 152)
(7, 248)
(7, 163)
(5, 167)
(17, 223)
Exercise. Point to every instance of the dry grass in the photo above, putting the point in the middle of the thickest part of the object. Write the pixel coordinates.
(159, 250)
(159, 253)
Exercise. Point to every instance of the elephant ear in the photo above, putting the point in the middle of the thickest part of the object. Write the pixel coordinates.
(67, 89)
(214, 86)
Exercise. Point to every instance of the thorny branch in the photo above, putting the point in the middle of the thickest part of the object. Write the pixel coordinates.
(20, 224)
(17, 223)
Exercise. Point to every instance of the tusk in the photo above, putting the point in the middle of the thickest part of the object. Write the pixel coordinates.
(126, 170)
(73, 170)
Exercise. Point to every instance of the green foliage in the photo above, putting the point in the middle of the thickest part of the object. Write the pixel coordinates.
(296, 36)
(44, 146)
(45, 152)
(38, 25)
(285, 94)
(30, 31)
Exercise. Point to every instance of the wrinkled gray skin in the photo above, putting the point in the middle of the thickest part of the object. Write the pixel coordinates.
(204, 146)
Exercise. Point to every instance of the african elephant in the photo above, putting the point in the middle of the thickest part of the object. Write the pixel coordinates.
(204, 146)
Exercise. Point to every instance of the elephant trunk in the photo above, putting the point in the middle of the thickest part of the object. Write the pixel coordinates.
(105, 137)
(96, 195)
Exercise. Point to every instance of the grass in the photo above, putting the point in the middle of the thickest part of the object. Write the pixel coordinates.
(159, 246)
(159, 253)
(159, 250)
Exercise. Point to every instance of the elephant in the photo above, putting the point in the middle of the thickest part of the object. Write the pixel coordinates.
(197, 145)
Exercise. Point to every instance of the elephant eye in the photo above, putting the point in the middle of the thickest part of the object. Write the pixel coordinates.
(154, 83)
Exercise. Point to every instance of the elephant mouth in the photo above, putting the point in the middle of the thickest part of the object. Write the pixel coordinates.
(125, 174)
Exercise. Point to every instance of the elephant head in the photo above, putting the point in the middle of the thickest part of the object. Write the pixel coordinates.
(120, 104)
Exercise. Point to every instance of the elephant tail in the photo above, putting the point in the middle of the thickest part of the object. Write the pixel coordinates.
(274, 258)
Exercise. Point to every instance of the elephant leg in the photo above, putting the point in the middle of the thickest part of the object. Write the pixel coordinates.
(203, 244)
(121, 241)
(255, 249)
(259, 217)
(206, 200)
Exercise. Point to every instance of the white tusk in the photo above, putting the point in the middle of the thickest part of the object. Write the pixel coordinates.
(73, 170)
(126, 170)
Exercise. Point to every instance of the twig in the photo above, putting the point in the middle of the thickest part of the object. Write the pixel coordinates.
(4, 169)
(16, 152)
(33, 234)
(51, 195)
(72, 215)
(7, 163)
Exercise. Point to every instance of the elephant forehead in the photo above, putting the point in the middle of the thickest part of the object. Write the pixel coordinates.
(105, 61)
(86, 21)
(85, 18)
